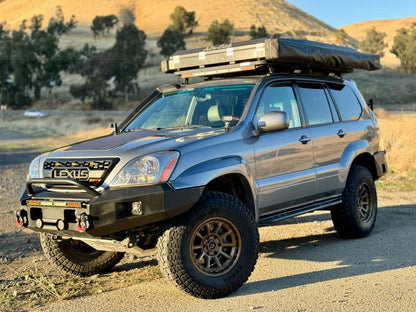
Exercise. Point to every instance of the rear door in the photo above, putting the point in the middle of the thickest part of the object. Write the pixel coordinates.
(284, 173)
(330, 137)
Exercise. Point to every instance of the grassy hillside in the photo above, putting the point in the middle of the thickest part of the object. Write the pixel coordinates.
(153, 16)
(390, 27)
(277, 16)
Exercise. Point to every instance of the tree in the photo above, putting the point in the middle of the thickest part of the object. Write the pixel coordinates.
(103, 24)
(404, 47)
(170, 42)
(45, 42)
(5, 63)
(373, 42)
(31, 56)
(98, 69)
(97, 26)
(183, 21)
(340, 36)
(79, 91)
(57, 24)
(219, 33)
(23, 62)
(129, 56)
(259, 32)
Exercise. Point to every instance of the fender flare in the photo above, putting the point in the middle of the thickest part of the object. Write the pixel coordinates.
(350, 154)
(203, 173)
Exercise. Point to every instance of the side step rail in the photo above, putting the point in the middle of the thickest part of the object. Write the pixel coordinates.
(269, 220)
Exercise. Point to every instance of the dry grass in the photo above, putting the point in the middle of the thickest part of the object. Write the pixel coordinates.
(397, 131)
(397, 137)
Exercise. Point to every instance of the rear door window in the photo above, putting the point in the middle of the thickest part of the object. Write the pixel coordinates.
(316, 103)
(348, 105)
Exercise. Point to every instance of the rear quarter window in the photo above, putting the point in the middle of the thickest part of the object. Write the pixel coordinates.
(347, 102)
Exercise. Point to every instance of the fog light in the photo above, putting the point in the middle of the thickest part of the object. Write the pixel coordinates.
(136, 208)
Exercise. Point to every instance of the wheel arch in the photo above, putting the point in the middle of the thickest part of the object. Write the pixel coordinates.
(366, 160)
(359, 153)
(230, 175)
(237, 186)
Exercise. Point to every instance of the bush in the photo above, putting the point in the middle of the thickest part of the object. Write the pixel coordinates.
(219, 33)
(259, 32)
(183, 21)
(170, 42)
(404, 47)
(373, 42)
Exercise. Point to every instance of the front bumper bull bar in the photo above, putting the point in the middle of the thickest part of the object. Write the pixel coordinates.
(82, 211)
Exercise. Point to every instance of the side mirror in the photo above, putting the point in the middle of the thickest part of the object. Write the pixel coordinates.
(273, 121)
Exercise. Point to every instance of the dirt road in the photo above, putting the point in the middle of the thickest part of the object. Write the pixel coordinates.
(303, 265)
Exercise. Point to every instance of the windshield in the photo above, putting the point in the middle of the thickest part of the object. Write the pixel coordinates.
(199, 107)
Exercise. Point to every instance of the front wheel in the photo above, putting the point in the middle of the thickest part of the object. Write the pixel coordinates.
(76, 257)
(356, 216)
(214, 248)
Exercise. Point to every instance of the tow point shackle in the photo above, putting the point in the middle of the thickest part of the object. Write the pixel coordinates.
(82, 222)
(21, 218)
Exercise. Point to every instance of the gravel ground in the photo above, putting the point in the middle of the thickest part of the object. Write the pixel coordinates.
(303, 265)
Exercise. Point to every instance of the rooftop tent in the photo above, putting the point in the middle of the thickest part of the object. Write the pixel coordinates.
(278, 53)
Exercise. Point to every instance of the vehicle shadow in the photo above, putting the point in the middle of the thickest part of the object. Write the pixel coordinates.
(390, 246)
(137, 264)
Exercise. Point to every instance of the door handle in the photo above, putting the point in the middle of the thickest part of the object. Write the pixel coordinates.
(304, 139)
(341, 133)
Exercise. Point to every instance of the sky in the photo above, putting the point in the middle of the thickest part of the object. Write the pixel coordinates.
(338, 13)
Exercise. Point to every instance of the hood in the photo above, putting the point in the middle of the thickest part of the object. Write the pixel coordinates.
(143, 139)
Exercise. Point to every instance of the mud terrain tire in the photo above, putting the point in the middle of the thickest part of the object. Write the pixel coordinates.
(356, 216)
(212, 251)
(76, 257)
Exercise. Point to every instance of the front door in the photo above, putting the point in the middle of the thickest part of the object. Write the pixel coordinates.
(284, 173)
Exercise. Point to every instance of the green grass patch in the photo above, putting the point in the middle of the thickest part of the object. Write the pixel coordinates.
(394, 182)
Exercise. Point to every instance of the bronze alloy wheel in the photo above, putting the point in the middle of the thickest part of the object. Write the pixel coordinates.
(355, 217)
(365, 203)
(215, 246)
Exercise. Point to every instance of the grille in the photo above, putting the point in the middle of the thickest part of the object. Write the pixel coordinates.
(90, 171)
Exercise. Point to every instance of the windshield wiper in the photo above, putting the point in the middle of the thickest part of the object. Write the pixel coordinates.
(183, 127)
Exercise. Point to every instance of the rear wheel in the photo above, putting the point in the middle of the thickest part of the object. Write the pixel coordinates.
(213, 250)
(76, 257)
(356, 216)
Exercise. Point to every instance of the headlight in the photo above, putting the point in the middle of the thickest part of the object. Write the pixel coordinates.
(35, 168)
(147, 169)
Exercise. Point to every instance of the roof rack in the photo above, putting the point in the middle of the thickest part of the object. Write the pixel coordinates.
(268, 55)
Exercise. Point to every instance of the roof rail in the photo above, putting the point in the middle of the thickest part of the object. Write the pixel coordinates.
(268, 55)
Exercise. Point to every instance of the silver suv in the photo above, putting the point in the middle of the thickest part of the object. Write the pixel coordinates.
(197, 167)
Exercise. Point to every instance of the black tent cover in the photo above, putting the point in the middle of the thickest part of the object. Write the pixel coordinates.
(281, 51)
(325, 55)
